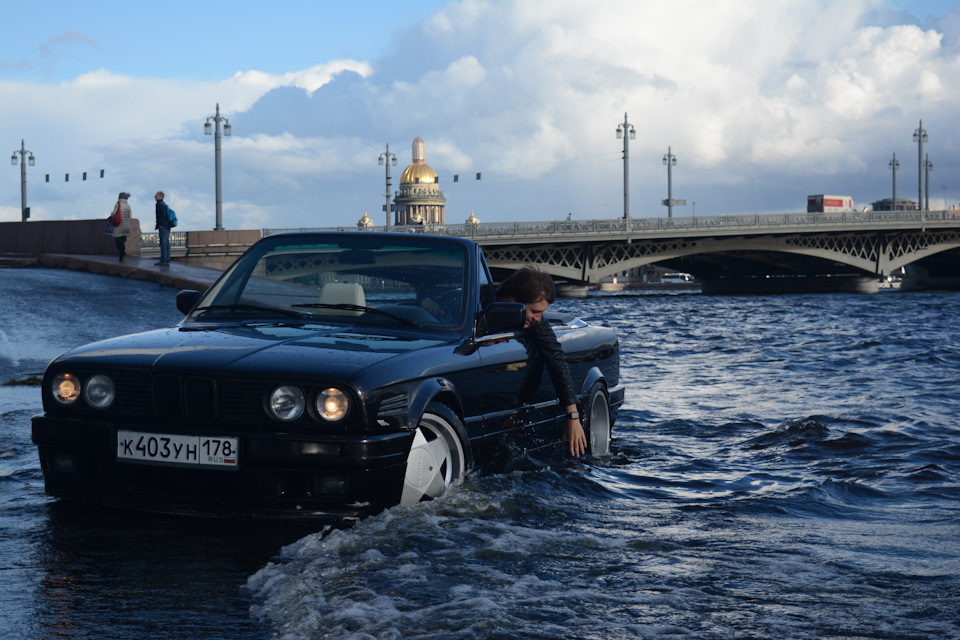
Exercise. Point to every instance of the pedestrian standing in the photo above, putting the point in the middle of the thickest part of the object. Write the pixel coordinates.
(163, 229)
(122, 230)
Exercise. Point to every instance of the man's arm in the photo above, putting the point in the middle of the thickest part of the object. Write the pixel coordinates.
(546, 341)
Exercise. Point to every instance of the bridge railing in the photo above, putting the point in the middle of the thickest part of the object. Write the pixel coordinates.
(619, 226)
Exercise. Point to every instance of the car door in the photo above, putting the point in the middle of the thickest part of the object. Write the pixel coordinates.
(519, 403)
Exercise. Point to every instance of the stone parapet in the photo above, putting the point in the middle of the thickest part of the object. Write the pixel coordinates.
(84, 237)
(212, 249)
(218, 249)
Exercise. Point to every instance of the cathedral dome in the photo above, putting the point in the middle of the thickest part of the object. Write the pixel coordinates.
(419, 172)
(419, 200)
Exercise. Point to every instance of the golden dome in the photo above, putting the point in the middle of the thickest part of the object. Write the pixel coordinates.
(418, 172)
(472, 219)
(365, 221)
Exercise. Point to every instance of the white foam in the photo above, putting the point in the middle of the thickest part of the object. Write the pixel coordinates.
(457, 567)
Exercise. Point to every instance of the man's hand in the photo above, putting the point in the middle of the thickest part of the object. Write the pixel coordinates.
(573, 433)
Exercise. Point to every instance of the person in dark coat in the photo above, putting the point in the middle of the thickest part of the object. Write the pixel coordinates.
(535, 290)
(163, 230)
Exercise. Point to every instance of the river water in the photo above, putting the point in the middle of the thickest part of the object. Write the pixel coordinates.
(784, 467)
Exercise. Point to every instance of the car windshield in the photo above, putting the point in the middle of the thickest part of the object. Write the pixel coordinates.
(377, 278)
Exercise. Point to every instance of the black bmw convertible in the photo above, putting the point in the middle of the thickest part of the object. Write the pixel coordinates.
(324, 375)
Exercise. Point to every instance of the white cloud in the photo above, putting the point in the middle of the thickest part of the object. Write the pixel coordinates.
(250, 85)
(760, 101)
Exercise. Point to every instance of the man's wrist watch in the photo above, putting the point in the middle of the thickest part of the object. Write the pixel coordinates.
(573, 415)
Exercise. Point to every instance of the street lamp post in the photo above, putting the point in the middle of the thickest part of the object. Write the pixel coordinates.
(944, 196)
(628, 133)
(388, 159)
(894, 167)
(927, 168)
(920, 136)
(208, 129)
(670, 161)
(24, 160)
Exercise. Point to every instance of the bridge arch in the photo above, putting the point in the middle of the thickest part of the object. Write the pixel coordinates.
(864, 244)
(869, 253)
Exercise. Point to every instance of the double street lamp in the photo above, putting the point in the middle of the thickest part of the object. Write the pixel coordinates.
(670, 161)
(894, 167)
(627, 132)
(920, 136)
(24, 159)
(208, 129)
(388, 159)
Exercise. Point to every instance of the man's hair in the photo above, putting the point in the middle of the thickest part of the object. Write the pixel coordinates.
(160, 193)
(527, 285)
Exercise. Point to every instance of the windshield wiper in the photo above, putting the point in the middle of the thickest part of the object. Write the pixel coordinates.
(248, 307)
(359, 307)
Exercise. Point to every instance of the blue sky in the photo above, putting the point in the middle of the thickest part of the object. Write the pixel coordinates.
(53, 41)
(761, 102)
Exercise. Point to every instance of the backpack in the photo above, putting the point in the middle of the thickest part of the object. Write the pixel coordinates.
(116, 219)
(171, 217)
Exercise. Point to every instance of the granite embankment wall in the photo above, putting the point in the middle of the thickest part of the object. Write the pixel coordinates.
(79, 237)
(212, 249)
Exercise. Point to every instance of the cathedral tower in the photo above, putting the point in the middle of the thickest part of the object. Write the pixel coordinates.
(419, 200)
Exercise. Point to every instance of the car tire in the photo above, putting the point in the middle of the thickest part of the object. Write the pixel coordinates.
(438, 457)
(597, 421)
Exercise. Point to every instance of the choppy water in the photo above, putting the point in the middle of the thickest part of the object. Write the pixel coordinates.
(785, 467)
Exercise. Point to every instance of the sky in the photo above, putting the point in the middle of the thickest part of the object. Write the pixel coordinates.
(761, 103)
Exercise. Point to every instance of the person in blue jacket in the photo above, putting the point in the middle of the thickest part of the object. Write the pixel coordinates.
(163, 230)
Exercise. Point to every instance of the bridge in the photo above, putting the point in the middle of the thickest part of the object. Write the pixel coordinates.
(756, 253)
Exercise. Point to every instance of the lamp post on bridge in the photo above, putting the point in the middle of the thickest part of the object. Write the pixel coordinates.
(387, 159)
(627, 132)
(944, 196)
(671, 161)
(24, 211)
(894, 167)
(207, 129)
(920, 136)
(927, 168)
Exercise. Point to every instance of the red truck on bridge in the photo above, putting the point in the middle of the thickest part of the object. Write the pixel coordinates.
(829, 204)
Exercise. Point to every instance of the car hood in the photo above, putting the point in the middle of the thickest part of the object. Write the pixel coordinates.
(261, 349)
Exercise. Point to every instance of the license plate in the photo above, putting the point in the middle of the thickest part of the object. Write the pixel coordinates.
(161, 448)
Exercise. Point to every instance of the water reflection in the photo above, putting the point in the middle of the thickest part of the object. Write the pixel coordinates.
(136, 574)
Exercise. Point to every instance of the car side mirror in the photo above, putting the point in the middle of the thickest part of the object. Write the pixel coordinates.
(501, 317)
(187, 300)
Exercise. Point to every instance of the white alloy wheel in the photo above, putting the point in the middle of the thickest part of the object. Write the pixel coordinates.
(436, 459)
(598, 422)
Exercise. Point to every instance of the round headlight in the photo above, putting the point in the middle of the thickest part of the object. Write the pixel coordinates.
(99, 392)
(65, 388)
(332, 404)
(286, 403)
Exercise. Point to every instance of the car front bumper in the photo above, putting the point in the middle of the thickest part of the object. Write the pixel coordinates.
(278, 476)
